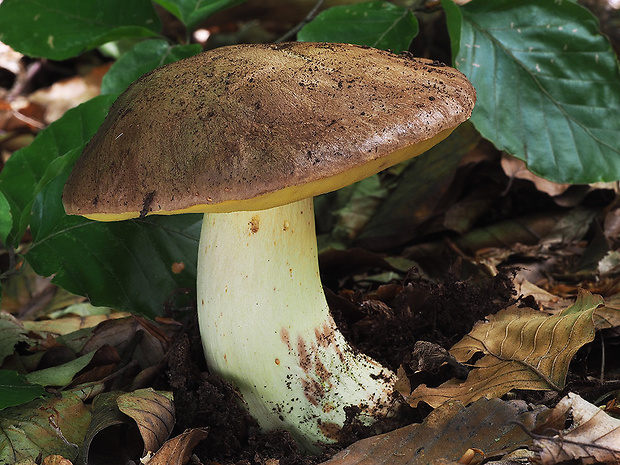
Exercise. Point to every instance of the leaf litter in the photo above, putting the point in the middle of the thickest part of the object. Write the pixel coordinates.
(416, 316)
(592, 435)
(552, 250)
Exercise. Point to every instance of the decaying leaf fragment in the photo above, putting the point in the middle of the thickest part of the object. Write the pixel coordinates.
(446, 435)
(127, 425)
(50, 426)
(594, 436)
(176, 451)
(153, 412)
(523, 349)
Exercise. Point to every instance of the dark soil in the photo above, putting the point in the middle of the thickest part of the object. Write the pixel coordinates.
(385, 324)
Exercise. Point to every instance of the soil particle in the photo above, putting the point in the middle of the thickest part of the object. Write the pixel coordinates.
(387, 323)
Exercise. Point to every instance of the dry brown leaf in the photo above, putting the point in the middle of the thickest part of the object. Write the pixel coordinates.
(69, 324)
(111, 435)
(545, 300)
(154, 339)
(515, 168)
(446, 435)
(594, 436)
(402, 384)
(126, 425)
(524, 349)
(153, 412)
(68, 93)
(608, 316)
(10, 59)
(56, 460)
(176, 451)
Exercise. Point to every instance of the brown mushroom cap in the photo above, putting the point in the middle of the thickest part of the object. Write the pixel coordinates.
(249, 127)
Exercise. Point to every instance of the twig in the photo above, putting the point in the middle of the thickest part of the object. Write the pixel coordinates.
(309, 17)
(602, 376)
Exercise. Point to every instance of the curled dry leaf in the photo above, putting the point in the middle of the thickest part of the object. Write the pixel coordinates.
(608, 316)
(546, 301)
(523, 349)
(176, 451)
(513, 167)
(111, 435)
(594, 436)
(153, 412)
(134, 423)
(445, 436)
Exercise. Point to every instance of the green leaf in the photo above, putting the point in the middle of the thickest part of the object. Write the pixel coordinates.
(54, 425)
(423, 181)
(11, 332)
(376, 24)
(548, 85)
(6, 220)
(345, 212)
(60, 375)
(454, 21)
(144, 57)
(15, 390)
(60, 29)
(127, 265)
(192, 12)
(23, 174)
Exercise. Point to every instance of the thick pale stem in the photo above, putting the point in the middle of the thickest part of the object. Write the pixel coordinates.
(267, 329)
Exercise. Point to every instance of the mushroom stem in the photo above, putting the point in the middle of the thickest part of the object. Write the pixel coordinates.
(266, 326)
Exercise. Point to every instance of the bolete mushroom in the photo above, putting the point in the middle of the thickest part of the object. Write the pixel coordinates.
(248, 135)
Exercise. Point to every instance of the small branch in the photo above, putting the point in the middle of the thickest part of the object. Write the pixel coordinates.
(309, 17)
(602, 376)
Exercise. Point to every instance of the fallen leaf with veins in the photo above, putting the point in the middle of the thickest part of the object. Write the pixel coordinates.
(176, 451)
(523, 349)
(135, 422)
(152, 411)
(593, 437)
(450, 433)
(50, 426)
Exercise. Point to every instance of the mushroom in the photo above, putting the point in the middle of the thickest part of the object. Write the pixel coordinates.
(248, 135)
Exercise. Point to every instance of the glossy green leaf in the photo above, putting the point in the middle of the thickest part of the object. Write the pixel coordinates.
(15, 390)
(548, 84)
(128, 265)
(6, 219)
(60, 29)
(23, 174)
(60, 375)
(191, 12)
(144, 57)
(376, 24)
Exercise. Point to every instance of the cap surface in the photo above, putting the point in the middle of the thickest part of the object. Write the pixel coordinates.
(248, 127)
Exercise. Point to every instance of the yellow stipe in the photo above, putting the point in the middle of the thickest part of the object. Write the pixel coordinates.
(293, 193)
